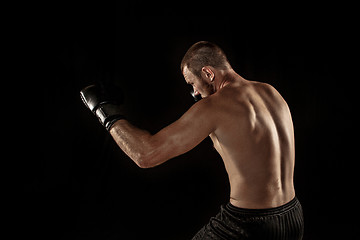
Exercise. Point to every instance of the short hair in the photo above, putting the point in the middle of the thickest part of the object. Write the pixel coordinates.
(202, 54)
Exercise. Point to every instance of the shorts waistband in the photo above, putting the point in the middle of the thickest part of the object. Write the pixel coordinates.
(263, 212)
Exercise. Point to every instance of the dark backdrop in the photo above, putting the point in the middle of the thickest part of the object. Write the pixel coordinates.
(85, 187)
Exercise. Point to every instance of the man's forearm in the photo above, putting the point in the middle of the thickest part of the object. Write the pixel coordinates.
(135, 142)
(142, 147)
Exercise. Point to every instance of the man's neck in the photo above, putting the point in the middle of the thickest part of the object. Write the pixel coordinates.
(227, 77)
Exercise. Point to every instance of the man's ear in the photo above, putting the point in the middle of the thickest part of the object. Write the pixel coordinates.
(208, 73)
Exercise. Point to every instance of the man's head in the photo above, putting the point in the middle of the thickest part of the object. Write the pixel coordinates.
(200, 65)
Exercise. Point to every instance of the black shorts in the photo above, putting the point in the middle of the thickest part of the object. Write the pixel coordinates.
(281, 223)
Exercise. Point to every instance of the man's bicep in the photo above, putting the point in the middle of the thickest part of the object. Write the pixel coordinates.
(187, 132)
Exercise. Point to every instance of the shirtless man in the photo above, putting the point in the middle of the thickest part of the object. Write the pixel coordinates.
(251, 127)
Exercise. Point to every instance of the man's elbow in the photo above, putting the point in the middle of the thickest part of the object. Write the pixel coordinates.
(142, 162)
(148, 160)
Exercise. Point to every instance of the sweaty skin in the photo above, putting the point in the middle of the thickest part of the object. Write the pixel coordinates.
(250, 125)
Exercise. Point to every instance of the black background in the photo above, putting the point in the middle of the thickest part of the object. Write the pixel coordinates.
(85, 187)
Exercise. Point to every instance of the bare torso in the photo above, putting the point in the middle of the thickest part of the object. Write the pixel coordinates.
(251, 128)
(256, 142)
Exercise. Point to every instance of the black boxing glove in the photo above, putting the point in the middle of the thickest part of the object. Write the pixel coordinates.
(196, 97)
(104, 102)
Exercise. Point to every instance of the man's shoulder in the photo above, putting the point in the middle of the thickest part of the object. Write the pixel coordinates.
(262, 86)
(265, 90)
(269, 96)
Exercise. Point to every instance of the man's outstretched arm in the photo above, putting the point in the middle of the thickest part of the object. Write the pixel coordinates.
(148, 150)
(145, 149)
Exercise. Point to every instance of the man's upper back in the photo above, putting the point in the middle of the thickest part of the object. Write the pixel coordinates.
(255, 138)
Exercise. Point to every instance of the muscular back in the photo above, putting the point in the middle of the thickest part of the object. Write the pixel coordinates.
(255, 139)
(251, 127)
